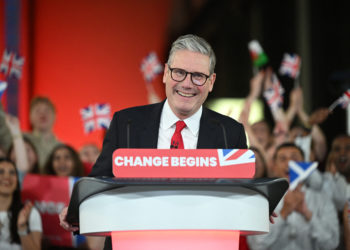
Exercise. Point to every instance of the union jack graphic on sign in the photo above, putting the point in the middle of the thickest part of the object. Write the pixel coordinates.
(96, 116)
(235, 156)
(151, 67)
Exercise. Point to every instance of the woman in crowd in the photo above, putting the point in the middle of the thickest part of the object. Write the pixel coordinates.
(64, 161)
(20, 225)
(21, 151)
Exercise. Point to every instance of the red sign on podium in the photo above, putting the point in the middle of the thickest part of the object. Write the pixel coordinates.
(183, 163)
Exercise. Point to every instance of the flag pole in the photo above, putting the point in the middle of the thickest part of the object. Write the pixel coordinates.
(333, 105)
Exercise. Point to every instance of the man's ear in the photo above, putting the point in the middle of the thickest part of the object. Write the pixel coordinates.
(166, 68)
(212, 79)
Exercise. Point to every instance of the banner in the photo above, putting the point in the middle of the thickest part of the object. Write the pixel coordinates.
(183, 163)
(50, 194)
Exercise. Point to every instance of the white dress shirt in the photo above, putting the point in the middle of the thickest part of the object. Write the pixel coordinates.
(168, 124)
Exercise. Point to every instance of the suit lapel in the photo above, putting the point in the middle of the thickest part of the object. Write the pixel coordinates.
(150, 129)
(208, 132)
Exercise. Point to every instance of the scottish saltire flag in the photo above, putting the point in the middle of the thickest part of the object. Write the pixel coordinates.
(290, 65)
(342, 101)
(96, 116)
(11, 64)
(235, 156)
(151, 67)
(257, 54)
(50, 194)
(274, 94)
(299, 171)
(3, 87)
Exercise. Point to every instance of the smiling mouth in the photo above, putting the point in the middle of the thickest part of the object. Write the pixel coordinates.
(185, 94)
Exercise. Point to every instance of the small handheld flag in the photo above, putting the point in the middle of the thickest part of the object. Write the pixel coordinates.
(11, 64)
(257, 54)
(3, 87)
(290, 65)
(299, 171)
(151, 66)
(96, 116)
(274, 94)
(342, 101)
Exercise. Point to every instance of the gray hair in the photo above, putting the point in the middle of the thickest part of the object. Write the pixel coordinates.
(195, 44)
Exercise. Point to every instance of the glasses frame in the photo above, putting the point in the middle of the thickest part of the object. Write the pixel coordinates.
(191, 73)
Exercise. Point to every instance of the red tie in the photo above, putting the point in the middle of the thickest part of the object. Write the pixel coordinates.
(176, 140)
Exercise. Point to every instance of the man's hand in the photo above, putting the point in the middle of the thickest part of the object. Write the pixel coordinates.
(64, 223)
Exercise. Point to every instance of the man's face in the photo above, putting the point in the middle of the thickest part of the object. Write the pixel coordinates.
(341, 152)
(283, 156)
(185, 98)
(42, 117)
(262, 132)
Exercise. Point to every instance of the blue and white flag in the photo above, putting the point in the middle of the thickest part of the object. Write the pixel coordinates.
(299, 171)
(3, 87)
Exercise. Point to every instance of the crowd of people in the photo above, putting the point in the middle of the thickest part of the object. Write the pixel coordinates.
(315, 214)
(36, 152)
(312, 216)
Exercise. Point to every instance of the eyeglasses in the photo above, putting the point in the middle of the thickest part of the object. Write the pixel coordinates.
(197, 78)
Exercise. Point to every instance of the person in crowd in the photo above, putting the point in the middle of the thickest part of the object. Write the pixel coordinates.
(307, 219)
(88, 155)
(188, 77)
(5, 135)
(64, 161)
(2, 152)
(260, 134)
(20, 225)
(308, 135)
(22, 151)
(260, 164)
(42, 118)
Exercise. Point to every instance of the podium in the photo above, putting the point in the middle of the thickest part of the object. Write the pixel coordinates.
(174, 213)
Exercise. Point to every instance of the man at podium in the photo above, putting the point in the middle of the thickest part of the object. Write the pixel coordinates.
(180, 121)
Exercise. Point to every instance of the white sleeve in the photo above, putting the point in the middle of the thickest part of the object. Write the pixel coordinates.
(35, 224)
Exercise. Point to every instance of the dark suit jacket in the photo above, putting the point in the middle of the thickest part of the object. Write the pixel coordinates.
(138, 127)
(141, 125)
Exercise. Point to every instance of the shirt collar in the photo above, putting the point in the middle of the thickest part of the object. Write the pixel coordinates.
(169, 119)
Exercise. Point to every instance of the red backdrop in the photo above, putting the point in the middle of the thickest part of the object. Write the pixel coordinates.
(87, 51)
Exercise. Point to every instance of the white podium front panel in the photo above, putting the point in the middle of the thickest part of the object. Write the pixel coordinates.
(175, 208)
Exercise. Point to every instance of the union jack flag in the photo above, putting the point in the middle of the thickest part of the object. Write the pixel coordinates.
(342, 101)
(274, 94)
(11, 64)
(299, 171)
(290, 65)
(151, 66)
(96, 116)
(3, 86)
(235, 156)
